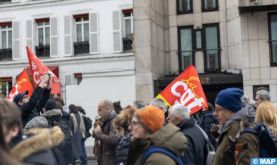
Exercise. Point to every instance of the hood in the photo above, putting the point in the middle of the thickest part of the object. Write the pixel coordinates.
(170, 138)
(188, 123)
(53, 112)
(40, 139)
(247, 114)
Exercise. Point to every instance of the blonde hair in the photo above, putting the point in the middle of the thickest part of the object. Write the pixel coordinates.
(267, 114)
(123, 120)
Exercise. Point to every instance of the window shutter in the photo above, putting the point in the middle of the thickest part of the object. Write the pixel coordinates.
(35, 34)
(54, 37)
(29, 34)
(117, 39)
(68, 44)
(94, 38)
(16, 41)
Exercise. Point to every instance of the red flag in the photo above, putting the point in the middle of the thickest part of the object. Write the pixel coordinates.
(22, 84)
(187, 90)
(38, 69)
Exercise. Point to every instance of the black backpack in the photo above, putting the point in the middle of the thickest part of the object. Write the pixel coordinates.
(88, 125)
(267, 147)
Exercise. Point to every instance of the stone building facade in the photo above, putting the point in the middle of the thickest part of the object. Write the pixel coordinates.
(232, 43)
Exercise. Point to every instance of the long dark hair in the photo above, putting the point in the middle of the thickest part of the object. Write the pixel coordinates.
(9, 117)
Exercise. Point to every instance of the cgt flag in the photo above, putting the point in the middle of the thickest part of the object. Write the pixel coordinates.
(38, 69)
(187, 90)
(22, 84)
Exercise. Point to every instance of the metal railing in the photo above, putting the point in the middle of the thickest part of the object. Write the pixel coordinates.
(6, 54)
(81, 48)
(43, 50)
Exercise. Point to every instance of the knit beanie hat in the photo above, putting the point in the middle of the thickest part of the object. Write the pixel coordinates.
(37, 122)
(230, 99)
(151, 117)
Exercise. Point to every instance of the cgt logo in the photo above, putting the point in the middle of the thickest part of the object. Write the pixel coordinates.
(263, 161)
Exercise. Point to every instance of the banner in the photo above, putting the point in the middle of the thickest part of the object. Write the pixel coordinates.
(187, 90)
(22, 84)
(38, 69)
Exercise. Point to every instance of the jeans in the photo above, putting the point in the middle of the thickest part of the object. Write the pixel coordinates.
(84, 157)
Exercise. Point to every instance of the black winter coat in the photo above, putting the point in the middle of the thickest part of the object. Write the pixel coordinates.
(122, 150)
(196, 151)
(35, 104)
(206, 122)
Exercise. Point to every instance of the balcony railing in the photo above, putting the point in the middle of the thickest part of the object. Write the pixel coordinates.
(5, 54)
(81, 48)
(43, 51)
(256, 5)
(127, 44)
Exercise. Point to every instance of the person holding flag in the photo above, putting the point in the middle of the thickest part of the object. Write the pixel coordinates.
(31, 106)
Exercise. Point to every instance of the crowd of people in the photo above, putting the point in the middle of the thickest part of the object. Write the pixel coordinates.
(41, 129)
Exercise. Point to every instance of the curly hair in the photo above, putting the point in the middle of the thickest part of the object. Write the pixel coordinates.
(123, 120)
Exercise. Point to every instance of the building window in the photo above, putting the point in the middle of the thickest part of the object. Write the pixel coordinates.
(184, 6)
(186, 53)
(5, 86)
(212, 48)
(128, 30)
(43, 31)
(273, 38)
(81, 46)
(209, 5)
(198, 37)
(6, 41)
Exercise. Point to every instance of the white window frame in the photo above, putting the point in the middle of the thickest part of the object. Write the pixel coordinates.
(82, 23)
(6, 29)
(43, 27)
(131, 17)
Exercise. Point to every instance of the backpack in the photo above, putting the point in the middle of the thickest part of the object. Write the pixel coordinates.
(154, 149)
(267, 147)
(88, 125)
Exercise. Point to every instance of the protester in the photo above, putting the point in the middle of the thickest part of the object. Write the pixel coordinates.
(267, 114)
(117, 107)
(139, 104)
(105, 133)
(261, 96)
(246, 101)
(88, 125)
(121, 124)
(160, 104)
(41, 122)
(207, 121)
(35, 145)
(147, 131)
(65, 122)
(9, 119)
(78, 132)
(31, 106)
(37, 148)
(196, 150)
(228, 111)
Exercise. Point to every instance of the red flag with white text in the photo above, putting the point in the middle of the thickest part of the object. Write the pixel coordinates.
(187, 90)
(22, 84)
(38, 69)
